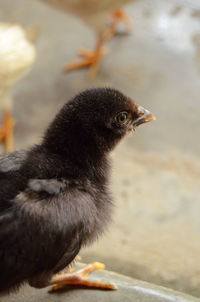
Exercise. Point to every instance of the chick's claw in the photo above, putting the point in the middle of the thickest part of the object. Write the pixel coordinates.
(90, 59)
(80, 278)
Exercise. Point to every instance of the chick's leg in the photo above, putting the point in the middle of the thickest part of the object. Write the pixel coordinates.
(120, 16)
(90, 59)
(6, 131)
(80, 278)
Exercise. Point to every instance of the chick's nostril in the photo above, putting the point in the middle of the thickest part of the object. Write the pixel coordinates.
(144, 112)
(140, 110)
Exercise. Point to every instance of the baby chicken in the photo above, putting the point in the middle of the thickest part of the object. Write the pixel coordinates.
(54, 198)
(95, 13)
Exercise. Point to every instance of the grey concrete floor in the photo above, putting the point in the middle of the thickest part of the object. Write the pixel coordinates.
(155, 235)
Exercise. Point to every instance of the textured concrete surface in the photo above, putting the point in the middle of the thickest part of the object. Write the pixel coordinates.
(128, 290)
(155, 235)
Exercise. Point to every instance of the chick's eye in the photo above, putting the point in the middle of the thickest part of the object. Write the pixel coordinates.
(122, 117)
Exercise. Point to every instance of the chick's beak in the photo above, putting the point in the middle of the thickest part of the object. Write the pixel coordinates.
(144, 116)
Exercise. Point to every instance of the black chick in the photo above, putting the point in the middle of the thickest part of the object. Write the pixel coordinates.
(54, 197)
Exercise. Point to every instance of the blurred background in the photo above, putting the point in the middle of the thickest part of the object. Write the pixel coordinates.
(155, 233)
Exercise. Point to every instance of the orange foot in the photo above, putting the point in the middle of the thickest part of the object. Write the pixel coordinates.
(120, 16)
(6, 131)
(80, 278)
(91, 59)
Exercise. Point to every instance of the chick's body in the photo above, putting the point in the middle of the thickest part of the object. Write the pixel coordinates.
(92, 12)
(54, 197)
(47, 224)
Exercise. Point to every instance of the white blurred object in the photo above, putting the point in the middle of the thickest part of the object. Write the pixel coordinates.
(17, 55)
